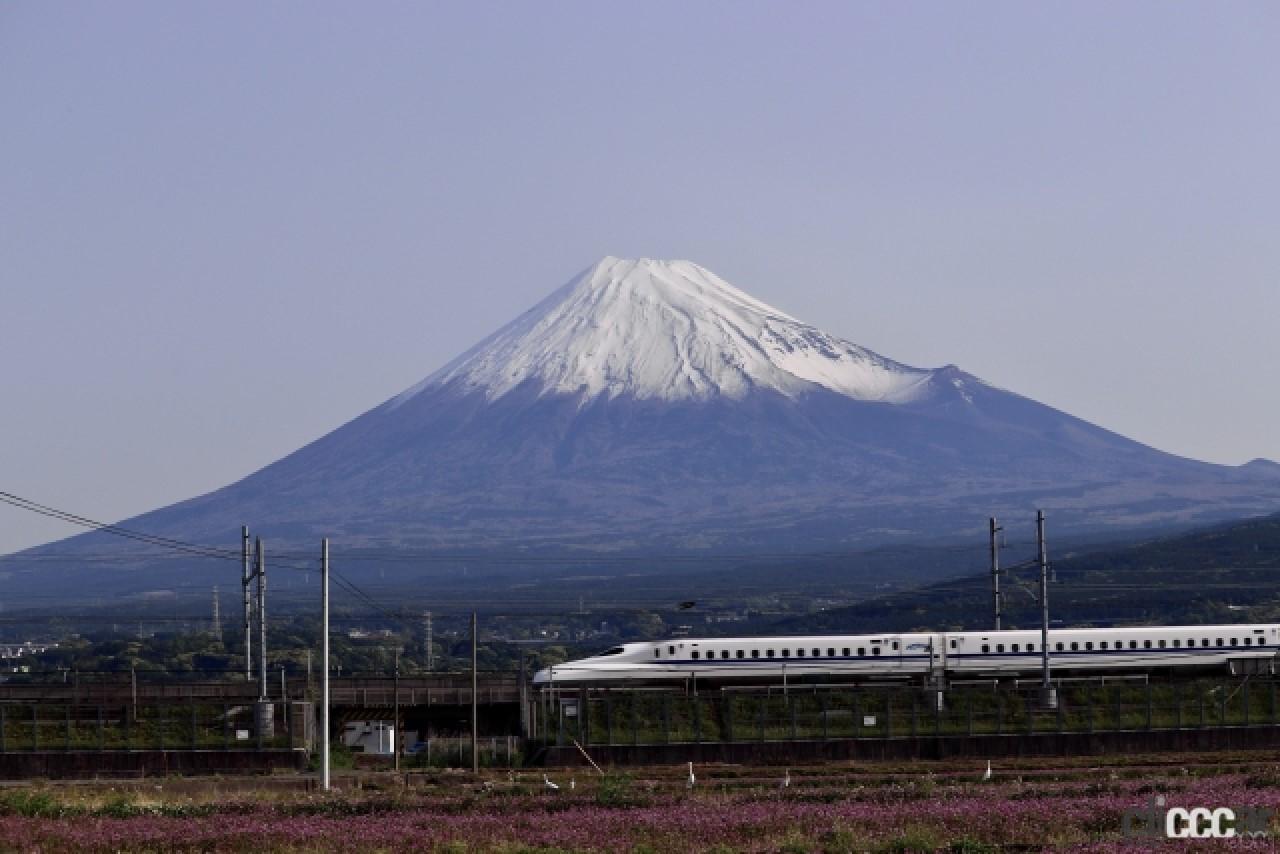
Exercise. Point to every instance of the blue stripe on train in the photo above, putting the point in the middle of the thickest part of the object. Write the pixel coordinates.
(1216, 650)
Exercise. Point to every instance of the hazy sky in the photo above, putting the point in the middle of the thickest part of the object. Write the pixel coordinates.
(227, 228)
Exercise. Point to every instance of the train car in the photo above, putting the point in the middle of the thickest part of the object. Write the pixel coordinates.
(1240, 648)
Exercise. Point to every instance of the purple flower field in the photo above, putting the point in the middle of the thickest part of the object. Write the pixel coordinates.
(826, 808)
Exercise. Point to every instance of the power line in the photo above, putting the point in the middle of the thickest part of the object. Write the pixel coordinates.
(150, 539)
(195, 549)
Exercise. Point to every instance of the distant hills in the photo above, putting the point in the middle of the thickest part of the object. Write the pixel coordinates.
(649, 407)
(1226, 573)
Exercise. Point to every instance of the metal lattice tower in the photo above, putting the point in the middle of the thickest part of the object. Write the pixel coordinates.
(431, 650)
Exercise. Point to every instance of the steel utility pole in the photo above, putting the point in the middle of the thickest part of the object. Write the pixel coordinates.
(475, 719)
(995, 570)
(524, 702)
(324, 664)
(1048, 695)
(262, 619)
(265, 712)
(248, 605)
(395, 733)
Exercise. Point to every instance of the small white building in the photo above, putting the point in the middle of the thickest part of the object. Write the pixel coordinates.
(373, 737)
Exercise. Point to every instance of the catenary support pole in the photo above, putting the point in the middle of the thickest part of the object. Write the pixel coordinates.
(995, 571)
(262, 620)
(475, 718)
(524, 704)
(264, 711)
(395, 732)
(1048, 696)
(324, 664)
(248, 603)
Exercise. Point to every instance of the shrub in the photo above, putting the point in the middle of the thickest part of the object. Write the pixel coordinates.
(616, 790)
(120, 805)
(31, 803)
(914, 840)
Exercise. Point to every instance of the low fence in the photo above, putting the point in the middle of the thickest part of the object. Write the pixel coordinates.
(447, 752)
(622, 717)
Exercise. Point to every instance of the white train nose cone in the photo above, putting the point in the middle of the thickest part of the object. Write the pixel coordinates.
(542, 677)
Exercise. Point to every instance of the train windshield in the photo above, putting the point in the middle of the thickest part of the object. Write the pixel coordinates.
(614, 651)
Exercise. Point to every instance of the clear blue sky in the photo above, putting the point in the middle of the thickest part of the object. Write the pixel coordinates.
(227, 228)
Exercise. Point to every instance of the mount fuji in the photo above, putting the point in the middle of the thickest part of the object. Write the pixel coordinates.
(650, 405)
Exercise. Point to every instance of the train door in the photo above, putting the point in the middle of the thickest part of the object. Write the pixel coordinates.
(895, 652)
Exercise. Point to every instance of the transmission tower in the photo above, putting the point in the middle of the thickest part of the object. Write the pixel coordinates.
(431, 652)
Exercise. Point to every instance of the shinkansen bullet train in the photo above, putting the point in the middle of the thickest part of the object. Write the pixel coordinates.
(1240, 648)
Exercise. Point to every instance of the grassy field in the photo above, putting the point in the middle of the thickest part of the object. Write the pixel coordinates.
(1026, 805)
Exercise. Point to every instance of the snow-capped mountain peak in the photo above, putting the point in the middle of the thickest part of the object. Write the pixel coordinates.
(669, 330)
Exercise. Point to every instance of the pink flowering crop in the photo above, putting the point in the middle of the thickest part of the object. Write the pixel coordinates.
(818, 812)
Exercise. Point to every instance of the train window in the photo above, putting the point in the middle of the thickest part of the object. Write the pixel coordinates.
(1248, 641)
(786, 653)
(846, 652)
(724, 653)
(831, 652)
(1233, 641)
(740, 654)
(1031, 647)
(862, 650)
(1015, 647)
(818, 652)
(1059, 646)
(1146, 644)
(657, 652)
(799, 652)
(875, 650)
(671, 650)
(986, 647)
(1088, 644)
(953, 644)
(1219, 641)
(1162, 644)
(695, 654)
(895, 644)
(999, 647)
(1102, 645)
(755, 653)
(1074, 646)
(768, 653)
(1176, 643)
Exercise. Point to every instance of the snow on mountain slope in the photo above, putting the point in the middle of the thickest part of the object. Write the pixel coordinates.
(668, 330)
